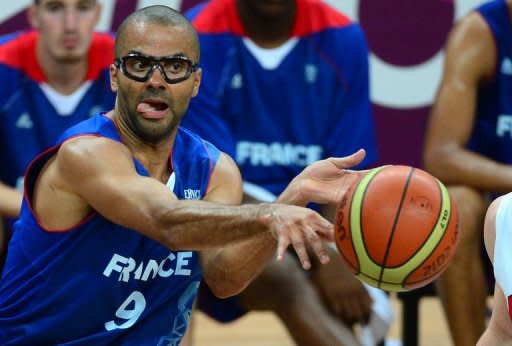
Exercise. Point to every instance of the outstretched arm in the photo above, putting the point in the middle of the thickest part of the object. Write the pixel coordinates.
(98, 173)
(234, 266)
(94, 174)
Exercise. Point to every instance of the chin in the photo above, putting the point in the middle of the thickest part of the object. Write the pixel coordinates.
(70, 57)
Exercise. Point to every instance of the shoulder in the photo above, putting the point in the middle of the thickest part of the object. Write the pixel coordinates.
(197, 144)
(315, 16)
(103, 40)
(91, 153)
(16, 47)
(216, 17)
(196, 156)
(226, 182)
(471, 49)
(99, 125)
(101, 54)
(330, 31)
(17, 62)
(472, 26)
(490, 227)
(18, 51)
(498, 219)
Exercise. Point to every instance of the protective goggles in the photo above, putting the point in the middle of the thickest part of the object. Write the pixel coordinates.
(140, 67)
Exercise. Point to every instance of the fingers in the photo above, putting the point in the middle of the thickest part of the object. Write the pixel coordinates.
(327, 233)
(349, 161)
(317, 247)
(297, 240)
(300, 237)
(282, 245)
(304, 229)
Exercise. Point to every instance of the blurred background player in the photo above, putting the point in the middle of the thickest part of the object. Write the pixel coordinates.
(469, 147)
(52, 77)
(285, 84)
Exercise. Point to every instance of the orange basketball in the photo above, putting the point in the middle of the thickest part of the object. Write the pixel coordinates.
(397, 228)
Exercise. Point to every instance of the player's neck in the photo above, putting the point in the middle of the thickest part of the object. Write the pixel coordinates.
(64, 77)
(153, 156)
(267, 32)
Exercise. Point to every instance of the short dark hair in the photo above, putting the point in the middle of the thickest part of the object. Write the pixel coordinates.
(156, 14)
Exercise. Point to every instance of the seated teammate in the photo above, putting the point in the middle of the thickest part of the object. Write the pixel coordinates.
(286, 84)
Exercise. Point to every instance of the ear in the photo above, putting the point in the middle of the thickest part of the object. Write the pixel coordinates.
(114, 82)
(197, 81)
(32, 17)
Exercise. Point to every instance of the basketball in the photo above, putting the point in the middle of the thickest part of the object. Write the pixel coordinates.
(397, 228)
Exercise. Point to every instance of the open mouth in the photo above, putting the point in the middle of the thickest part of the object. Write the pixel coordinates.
(152, 109)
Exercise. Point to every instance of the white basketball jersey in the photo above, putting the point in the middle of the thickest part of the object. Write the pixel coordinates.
(502, 246)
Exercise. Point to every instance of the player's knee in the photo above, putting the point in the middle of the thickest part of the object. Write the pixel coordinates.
(286, 280)
(470, 202)
(288, 273)
(280, 288)
(471, 205)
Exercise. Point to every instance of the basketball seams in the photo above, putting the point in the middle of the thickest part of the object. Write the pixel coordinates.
(438, 232)
(395, 222)
(355, 271)
(341, 243)
(432, 233)
(355, 212)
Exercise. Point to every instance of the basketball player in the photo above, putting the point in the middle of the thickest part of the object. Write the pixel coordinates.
(52, 77)
(104, 252)
(469, 147)
(498, 240)
(285, 84)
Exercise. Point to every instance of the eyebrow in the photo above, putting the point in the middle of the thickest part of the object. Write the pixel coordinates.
(180, 54)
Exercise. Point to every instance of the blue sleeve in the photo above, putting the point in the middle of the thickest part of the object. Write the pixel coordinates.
(10, 77)
(353, 114)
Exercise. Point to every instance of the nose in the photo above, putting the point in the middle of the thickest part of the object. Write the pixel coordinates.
(70, 19)
(156, 78)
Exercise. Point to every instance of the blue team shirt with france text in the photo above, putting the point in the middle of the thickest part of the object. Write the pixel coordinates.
(99, 283)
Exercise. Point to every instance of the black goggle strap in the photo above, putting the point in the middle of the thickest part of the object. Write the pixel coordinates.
(119, 61)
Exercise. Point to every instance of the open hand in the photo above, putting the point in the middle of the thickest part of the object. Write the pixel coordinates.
(300, 227)
(325, 181)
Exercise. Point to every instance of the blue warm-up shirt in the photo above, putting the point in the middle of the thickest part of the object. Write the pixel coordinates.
(275, 119)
